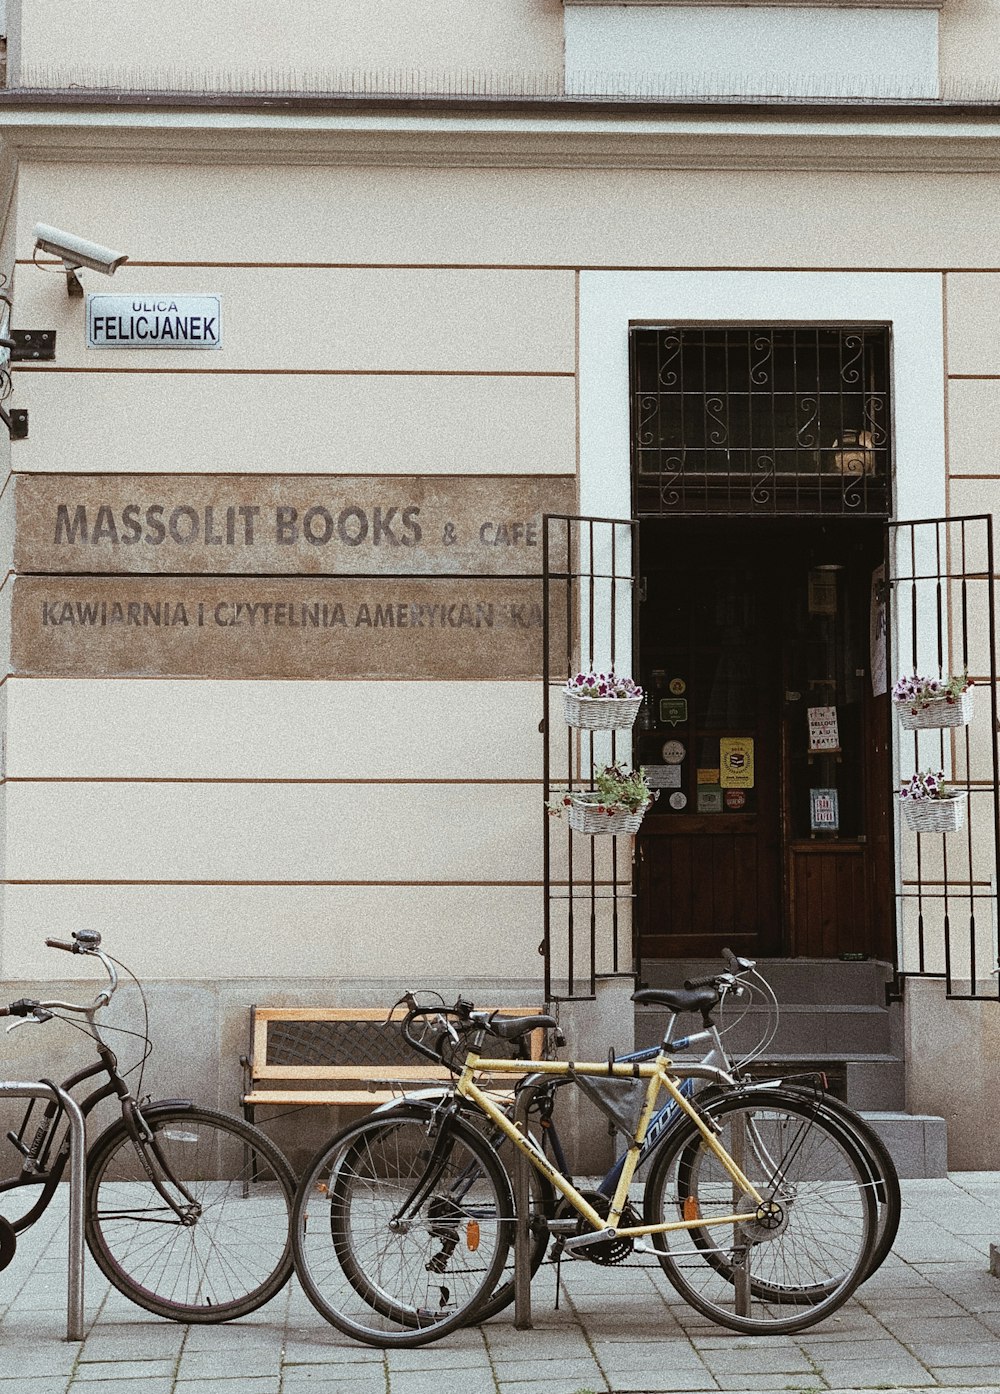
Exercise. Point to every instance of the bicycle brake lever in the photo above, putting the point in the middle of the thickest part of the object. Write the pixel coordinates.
(35, 1020)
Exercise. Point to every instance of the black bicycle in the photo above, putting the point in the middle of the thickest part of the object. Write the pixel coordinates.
(187, 1209)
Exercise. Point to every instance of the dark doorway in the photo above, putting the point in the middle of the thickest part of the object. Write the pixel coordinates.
(771, 830)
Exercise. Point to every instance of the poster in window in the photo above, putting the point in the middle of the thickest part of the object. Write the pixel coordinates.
(876, 636)
(736, 762)
(824, 733)
(824, 811)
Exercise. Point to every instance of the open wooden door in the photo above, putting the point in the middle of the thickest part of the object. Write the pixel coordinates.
(771, 831)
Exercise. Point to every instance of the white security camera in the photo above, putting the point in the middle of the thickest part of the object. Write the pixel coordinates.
(75, 252)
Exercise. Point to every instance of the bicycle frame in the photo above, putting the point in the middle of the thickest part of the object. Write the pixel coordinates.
(35, 1170)
(655, 1072)
(714, 1059)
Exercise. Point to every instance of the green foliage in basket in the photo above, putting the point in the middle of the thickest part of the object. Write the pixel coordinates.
(617, 789)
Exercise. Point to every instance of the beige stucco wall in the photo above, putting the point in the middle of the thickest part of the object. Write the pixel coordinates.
(969, 47)
(416, 44)
(254, 43)
(378, 337)
(377, 321)
(378, 215)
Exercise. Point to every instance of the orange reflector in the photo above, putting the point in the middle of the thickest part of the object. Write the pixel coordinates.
(472, 1235)
(692, 1210)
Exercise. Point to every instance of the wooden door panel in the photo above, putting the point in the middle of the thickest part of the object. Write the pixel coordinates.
(700, 891)
(828, 900)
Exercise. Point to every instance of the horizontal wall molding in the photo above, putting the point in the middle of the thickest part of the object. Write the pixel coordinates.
(959, 138)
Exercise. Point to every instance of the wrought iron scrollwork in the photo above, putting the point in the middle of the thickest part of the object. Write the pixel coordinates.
(736, 419)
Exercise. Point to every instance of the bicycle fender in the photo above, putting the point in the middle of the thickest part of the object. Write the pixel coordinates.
(420, 1098)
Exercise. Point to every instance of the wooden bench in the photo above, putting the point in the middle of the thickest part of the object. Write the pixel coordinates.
(301, 1056)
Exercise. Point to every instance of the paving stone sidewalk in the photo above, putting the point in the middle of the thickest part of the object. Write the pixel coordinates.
(929, 1319)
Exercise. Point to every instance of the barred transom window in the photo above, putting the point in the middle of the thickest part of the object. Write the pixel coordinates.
(761, 419)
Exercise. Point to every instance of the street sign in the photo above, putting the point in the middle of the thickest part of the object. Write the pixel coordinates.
(154, 321)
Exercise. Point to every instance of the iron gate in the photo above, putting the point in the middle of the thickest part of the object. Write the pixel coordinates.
(589, 617)
(938, 618)
(940, 614)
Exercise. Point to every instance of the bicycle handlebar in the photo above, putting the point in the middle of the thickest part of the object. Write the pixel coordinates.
(735, 968)
(85, 941)
(450, 1026)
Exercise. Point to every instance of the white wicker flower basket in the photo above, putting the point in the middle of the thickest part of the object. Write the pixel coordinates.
(937, 713)
(935, 815)
(600, 713)
(584, 817)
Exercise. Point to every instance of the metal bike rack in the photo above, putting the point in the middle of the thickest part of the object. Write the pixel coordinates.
(522, 1210)
(44, 1090)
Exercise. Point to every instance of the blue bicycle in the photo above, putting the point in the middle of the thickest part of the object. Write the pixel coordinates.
(552, 1222)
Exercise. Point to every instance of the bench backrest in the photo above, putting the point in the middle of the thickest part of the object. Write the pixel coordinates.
(331, 1043)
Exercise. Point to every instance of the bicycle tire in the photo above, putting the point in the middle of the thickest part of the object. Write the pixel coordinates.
(542, 1195)
(788, 1294)
(379, 1274)
(884, 1178)
(237, 1254)
(746, 1276)
(881, 1169)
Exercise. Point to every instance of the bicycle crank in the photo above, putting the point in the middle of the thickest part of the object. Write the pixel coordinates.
(8, 1242)
(592, 1244)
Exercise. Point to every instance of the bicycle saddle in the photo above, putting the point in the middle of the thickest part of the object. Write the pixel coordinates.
(678, 999)
(512, 1028)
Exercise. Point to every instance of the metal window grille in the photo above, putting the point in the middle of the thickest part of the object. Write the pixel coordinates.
(761, 420)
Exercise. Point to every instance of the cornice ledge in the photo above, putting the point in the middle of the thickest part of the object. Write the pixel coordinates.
(709, 141)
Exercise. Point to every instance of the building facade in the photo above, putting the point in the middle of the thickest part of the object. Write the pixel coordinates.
(276, 611)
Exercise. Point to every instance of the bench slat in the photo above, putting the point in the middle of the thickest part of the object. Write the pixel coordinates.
(427, 1071)
(321, 1096)
(361, 1013)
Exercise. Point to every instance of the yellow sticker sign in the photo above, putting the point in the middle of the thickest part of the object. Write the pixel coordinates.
(736, 762)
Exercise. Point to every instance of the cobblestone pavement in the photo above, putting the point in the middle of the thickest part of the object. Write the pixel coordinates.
(930, 1318)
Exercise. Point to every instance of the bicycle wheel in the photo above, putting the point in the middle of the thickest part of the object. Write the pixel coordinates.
(401, 1227)
(542, 1198)
(230, 1253)
(809, 1245)
(880, 1170)
(882, 1176)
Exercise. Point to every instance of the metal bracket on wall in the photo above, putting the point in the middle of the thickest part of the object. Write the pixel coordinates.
(16, 422)
(32, 345)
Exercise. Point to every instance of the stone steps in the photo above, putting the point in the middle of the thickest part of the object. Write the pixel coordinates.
(833, 1018)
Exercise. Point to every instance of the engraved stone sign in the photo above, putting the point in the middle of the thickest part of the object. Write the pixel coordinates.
(277, 627)
(351, 525)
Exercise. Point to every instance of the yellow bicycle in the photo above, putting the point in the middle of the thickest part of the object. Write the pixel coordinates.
(758, 1208)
